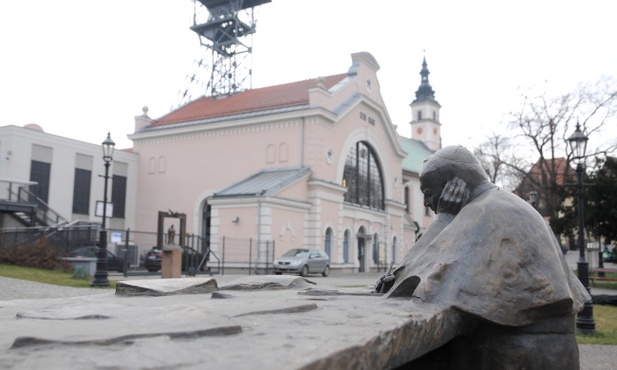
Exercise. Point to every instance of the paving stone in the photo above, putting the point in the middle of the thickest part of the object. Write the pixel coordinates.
(163, 287)
(272, 325)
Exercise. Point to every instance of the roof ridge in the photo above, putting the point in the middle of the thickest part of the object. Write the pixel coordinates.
(252, 100)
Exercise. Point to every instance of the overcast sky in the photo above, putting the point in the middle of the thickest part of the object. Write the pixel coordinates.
(81, 68)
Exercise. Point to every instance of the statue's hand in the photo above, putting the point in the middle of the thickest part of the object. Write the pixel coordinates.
(453, 196)
(384, 283)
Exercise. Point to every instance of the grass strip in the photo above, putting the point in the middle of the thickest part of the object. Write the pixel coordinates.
(54, 277)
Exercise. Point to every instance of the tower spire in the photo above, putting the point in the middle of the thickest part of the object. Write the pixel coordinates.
(425, 125)
(425, 91)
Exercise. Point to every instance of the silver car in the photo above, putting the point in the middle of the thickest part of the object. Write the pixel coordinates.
(303, 261)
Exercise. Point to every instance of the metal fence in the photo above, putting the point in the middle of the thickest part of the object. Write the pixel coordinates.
(242, 255)
(62, 239)
(230, 255)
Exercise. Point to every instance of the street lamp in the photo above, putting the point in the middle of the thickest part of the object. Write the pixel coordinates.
(100, 276)
(578, 144)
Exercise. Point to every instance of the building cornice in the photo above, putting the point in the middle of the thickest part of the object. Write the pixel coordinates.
(425, 120)
(324, 184)
(251, 201)
(415, 103)
(231, 125)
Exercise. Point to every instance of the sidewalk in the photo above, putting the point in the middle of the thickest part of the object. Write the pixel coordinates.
(11, 289)
(572, 259)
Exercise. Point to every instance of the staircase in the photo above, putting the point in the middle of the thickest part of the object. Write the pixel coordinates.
(27, 208)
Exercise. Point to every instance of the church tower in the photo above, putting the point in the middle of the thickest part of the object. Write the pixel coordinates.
(425, 126)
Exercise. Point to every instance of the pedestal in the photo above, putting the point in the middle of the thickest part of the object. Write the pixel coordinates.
(171, 264)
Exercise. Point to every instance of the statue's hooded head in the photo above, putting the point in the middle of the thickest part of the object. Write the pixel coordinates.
(446, 164)
(455, 161)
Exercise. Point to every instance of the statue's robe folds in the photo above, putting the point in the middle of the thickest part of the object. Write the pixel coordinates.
(497, 259)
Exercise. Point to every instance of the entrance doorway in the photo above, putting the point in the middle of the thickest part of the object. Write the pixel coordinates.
(361, 249)
(206, 229)
(328, 243)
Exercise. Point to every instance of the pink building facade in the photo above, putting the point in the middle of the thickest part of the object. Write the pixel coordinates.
(315, 163)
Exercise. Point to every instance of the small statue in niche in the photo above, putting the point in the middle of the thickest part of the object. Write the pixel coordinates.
(171, 235)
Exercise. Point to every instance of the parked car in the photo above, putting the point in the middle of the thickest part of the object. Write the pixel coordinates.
(303, 261)
(153, 259)
(114, 263)
(609, 254)
(189, 256)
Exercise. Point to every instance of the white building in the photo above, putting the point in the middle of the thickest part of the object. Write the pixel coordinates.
(65, 174)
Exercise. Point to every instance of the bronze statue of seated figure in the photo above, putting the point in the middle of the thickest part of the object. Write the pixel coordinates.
(492, 256)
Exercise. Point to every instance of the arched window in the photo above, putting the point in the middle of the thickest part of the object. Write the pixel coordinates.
(363, 178)
(152, 165)
(283, 152)
(162, 164)
(376, 249)
(270, 153)
(346, 247)
(328, 242)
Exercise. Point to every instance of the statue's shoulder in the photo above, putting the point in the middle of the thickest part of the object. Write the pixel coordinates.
(495, 203)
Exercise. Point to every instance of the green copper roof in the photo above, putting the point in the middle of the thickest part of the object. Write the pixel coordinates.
(417, 152)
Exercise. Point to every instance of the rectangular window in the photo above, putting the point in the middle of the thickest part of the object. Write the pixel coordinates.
(118, 195)
(81, 191)
(40, 172)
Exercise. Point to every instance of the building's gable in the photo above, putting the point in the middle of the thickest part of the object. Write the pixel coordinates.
(361, 87)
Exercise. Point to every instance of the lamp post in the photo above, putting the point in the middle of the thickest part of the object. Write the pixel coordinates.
(100, 276)
(578, 144)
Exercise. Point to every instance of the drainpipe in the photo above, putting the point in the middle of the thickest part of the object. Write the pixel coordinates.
(302, 144)
(258, 233)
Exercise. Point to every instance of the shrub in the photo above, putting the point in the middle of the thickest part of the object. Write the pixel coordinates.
(37, 254)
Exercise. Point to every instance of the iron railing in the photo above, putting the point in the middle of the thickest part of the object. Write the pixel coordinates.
(233, 255)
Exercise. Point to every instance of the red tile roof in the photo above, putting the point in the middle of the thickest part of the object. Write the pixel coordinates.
(534, 176)
(561, 167)
(255, 100)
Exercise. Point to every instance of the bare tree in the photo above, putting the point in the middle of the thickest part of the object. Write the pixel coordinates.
(540, 129)
(499, 158)
(545, 123)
